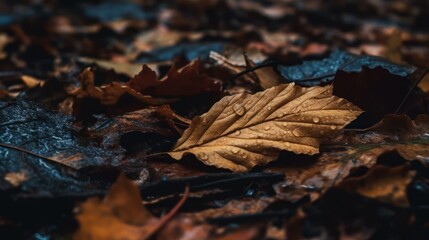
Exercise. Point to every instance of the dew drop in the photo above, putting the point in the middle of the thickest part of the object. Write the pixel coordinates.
(244, 156)
(296, 133)
(258, 141)
(333, 127)
(204, 122)
(239, 109)
(237, 133)
(267, 127)
(316, 119)
(269, 108)
(287, 144)
(246, 145)
(234, 150)
(280, 115)
(204, 156)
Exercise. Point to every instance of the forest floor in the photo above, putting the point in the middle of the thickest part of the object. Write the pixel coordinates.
(217, 119)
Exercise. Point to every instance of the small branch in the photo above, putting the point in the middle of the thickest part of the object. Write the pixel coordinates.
(158, 225)
(16, 148)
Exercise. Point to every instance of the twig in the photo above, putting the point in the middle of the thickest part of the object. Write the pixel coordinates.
(158, 225)
(16, 148)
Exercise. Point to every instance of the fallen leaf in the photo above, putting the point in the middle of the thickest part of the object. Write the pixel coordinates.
(383, 183)
(31, 82)
(186, 81)
(110, 93)
(129, 69)
(16, 178)
(267, 77)
(245, 130)
(120, 215)
(312, 73)
(367, 89)
(341, 156)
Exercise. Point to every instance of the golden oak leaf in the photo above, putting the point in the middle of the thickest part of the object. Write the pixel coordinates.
(244, 130)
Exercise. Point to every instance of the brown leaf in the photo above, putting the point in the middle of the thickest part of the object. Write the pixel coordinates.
(120, 215)
(186, 81)
(383, 183)
(16, 178)
(245, 130)
(396, 134)
(267, 77)
(110, 93)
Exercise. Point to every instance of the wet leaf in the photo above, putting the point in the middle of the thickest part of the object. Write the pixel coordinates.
(383, 183)
(186, 81)
(34, 129)
(120, 215)
(109, 94)
(244, 130)
(312, 73)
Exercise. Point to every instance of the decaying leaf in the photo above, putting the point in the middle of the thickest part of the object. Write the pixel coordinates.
(267, 77)
(312, 73)
(120, 215)
(383, 183)
(186, 81)
(244, 130)
(109, 94)
(395, 134)
(16, 178)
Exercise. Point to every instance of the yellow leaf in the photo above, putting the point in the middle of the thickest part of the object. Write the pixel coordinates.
(244, 130)
(120, 215)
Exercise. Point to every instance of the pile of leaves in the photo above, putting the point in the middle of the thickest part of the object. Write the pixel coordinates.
(214, 120)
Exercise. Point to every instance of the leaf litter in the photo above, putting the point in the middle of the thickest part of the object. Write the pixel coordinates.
(92, 92)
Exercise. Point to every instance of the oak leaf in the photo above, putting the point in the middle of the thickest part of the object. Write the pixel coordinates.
(244, 130)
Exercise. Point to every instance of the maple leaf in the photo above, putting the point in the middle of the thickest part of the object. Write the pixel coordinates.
(110, 93)
(244, 130)
(186, 81)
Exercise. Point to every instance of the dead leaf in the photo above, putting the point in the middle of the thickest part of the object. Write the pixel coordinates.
(110, 93)
(16, 178)
(383, 183)
(129, 69)
(341, 156)
(186, 81)
(245, 130)
(31, 82)
(267, 77)
(120, 215)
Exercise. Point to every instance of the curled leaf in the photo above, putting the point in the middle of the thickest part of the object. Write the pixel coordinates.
(244, 130)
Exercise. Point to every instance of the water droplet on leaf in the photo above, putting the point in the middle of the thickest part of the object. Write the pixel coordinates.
(316, 119)
(239, 109)
(296, 133)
